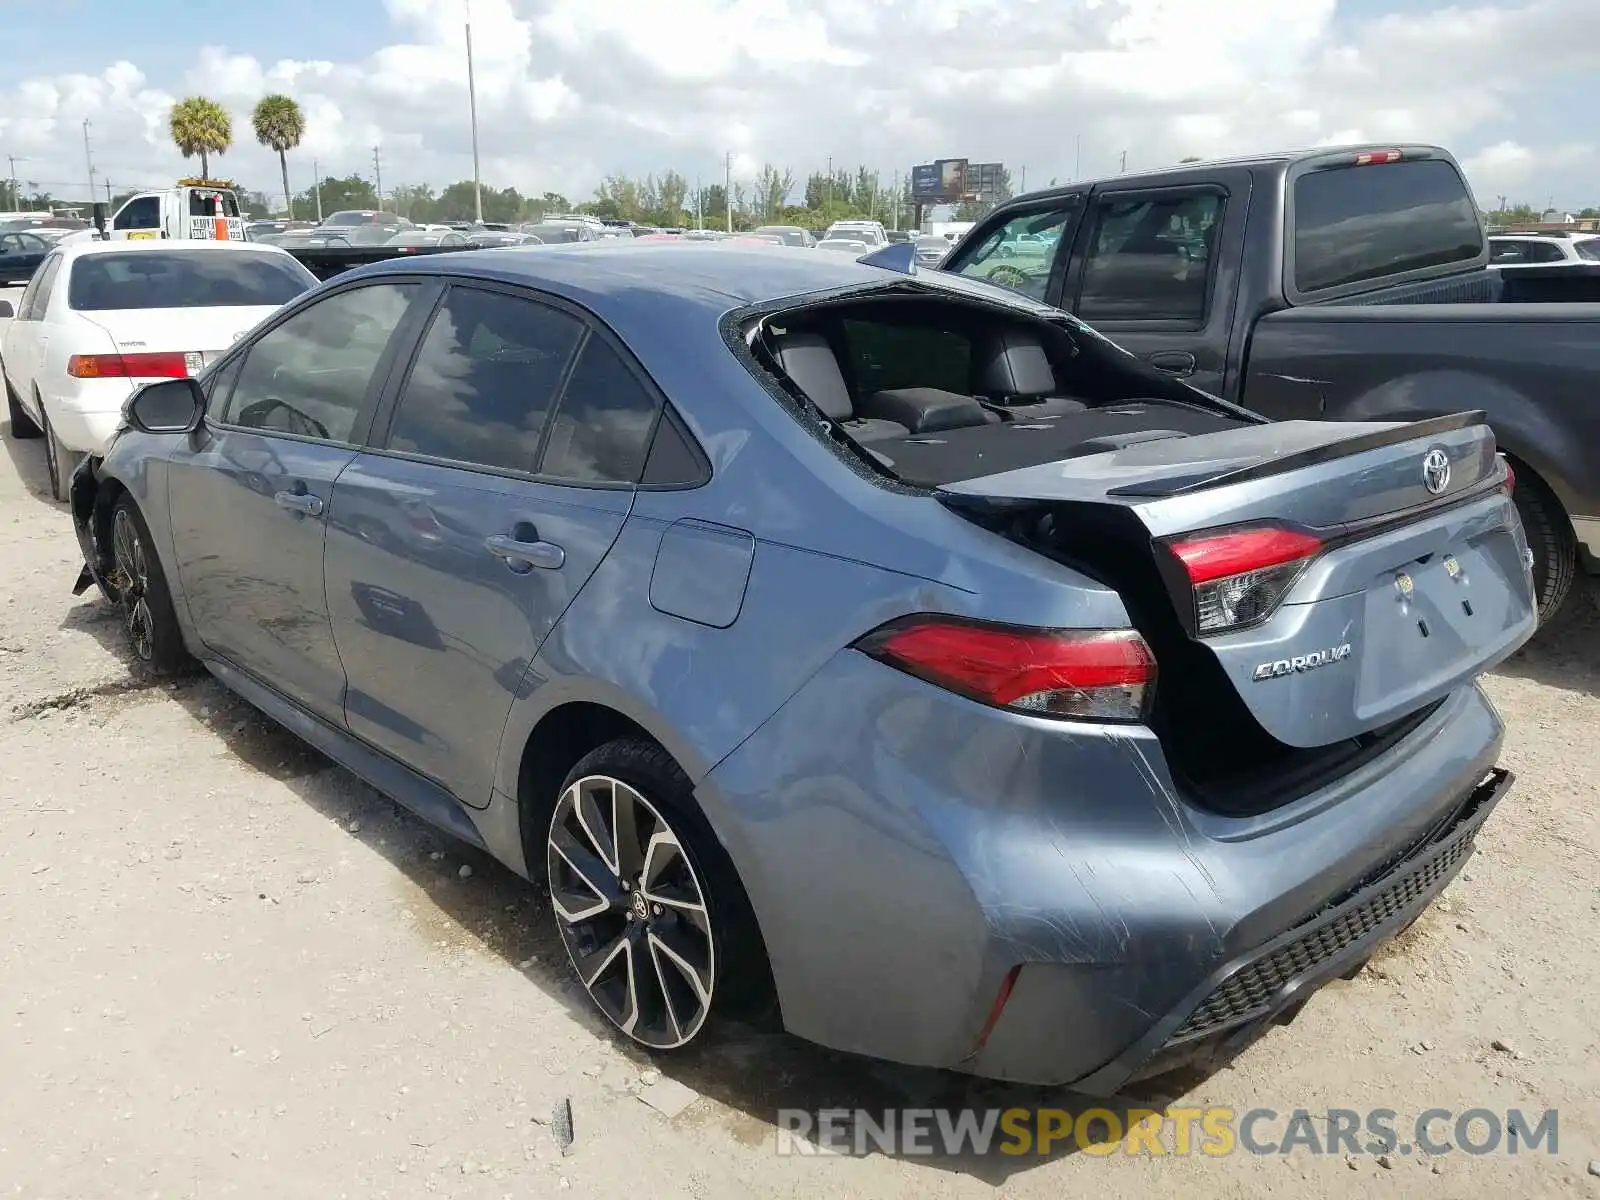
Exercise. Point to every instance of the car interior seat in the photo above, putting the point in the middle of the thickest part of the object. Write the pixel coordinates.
(1013, 371)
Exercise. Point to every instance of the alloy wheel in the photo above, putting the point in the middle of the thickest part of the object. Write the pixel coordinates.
(632, 912)
(132, 581)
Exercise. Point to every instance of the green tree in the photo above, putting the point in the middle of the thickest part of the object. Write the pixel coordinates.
(203, 127)
(349, 192)
(772, 191)
(279, 125)
(672, 192)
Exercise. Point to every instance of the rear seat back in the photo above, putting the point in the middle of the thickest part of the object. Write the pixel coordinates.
(1011, 368)
(809, 362)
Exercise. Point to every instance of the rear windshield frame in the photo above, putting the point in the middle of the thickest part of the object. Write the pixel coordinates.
(283, 264)
(1340, 161)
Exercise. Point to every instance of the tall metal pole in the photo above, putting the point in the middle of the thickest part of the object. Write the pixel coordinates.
(377, 176)
(1077, 157)
(472, 103)
(727, 187)
(316, 186)
(894, 221)
(88, 161)
(16, 194)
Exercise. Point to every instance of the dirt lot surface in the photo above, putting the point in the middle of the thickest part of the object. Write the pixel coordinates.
(227, 968)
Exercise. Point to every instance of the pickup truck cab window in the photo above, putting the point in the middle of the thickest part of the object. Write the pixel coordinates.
(1149, 258)
(142, 212)
(1358, 223)
(1023, 253)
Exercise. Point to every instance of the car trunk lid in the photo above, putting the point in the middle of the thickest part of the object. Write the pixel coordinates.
(203, 334)
(1418, 581)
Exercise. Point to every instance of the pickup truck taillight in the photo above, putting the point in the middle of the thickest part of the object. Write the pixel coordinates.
(1240, 576)
(1088, 675)
(134, 366)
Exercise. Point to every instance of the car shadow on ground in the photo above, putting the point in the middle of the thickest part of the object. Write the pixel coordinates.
(27, 456)
(754, 1072)
(1565, 653)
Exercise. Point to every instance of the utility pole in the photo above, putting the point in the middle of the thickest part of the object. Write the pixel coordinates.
(1077, 157)
(88, 159)
(699, 207)
(894, 219)
(1124, 168)
(830, 181)
(316, 181)
(16, 194)
(377, 175)
(472, 104)
(727, 187)
(108, 193)
(1022, 184)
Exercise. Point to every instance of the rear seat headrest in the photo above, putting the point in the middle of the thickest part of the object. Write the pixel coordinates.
(808, 360)
(1011, 362)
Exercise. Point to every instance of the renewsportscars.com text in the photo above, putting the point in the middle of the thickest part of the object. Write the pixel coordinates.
(1213, 1132)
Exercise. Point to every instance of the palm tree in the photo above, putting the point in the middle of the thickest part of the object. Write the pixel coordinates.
(279, 125)
(203, 127)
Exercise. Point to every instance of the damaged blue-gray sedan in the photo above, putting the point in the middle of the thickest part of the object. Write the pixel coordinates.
(883, 651)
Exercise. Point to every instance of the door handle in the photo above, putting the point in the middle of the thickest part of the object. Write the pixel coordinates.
(1173, 362)
(299, 502)
(547, 555)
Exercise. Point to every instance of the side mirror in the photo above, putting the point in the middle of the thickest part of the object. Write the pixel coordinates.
(170, 406)
(6, 311)
(101, 212)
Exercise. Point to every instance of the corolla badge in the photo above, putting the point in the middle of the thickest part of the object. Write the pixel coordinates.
(1278, 668)
(1436, 471)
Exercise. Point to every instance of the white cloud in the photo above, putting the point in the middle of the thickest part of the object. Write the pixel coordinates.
(570, 90)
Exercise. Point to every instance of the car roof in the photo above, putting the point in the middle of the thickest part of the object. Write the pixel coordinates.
(608, 277)
(151, 245)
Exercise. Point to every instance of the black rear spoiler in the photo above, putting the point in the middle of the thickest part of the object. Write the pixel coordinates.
(1358, 444)
(327, 261)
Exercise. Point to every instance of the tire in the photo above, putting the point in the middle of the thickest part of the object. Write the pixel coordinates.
(60, 471)
(1550, 537)
(141, 587)
(23, 426)
(660, 932)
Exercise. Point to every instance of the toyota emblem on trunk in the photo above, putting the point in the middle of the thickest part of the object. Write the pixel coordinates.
(1436, 471)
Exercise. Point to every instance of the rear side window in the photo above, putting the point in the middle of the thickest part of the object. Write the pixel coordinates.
(1589, 248)
(1358, 224)
(1149, 259)
(185, 279)
(602, 428)
(484, 380)
(881, 355)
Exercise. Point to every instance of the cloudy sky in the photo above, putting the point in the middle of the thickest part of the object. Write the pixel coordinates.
(570, 90)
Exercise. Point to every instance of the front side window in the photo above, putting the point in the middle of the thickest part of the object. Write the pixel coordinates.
(311, 375)
(484, 380)
(142, 212)
(1021, 253)
(602, 427)
(1149, 259)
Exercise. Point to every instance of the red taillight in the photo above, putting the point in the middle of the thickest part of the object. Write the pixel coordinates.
(1368, 157)
(1241, 576)
(133, 366)
(1510, 483)
(1095, 675)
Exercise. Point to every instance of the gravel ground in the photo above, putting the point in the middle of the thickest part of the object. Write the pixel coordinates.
(227, 968)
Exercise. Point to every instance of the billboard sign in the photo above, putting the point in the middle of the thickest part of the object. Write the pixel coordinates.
(940, 182)
(985, 181)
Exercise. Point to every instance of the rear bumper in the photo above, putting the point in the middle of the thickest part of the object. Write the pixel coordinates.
(85, 417)
(907, 852)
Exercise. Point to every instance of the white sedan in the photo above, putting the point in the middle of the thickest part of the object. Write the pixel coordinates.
(100, 318)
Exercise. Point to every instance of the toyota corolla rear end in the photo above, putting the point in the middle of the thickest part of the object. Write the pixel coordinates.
(1068, 851)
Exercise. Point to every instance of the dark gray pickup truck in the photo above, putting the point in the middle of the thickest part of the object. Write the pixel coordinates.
(1350, 284)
